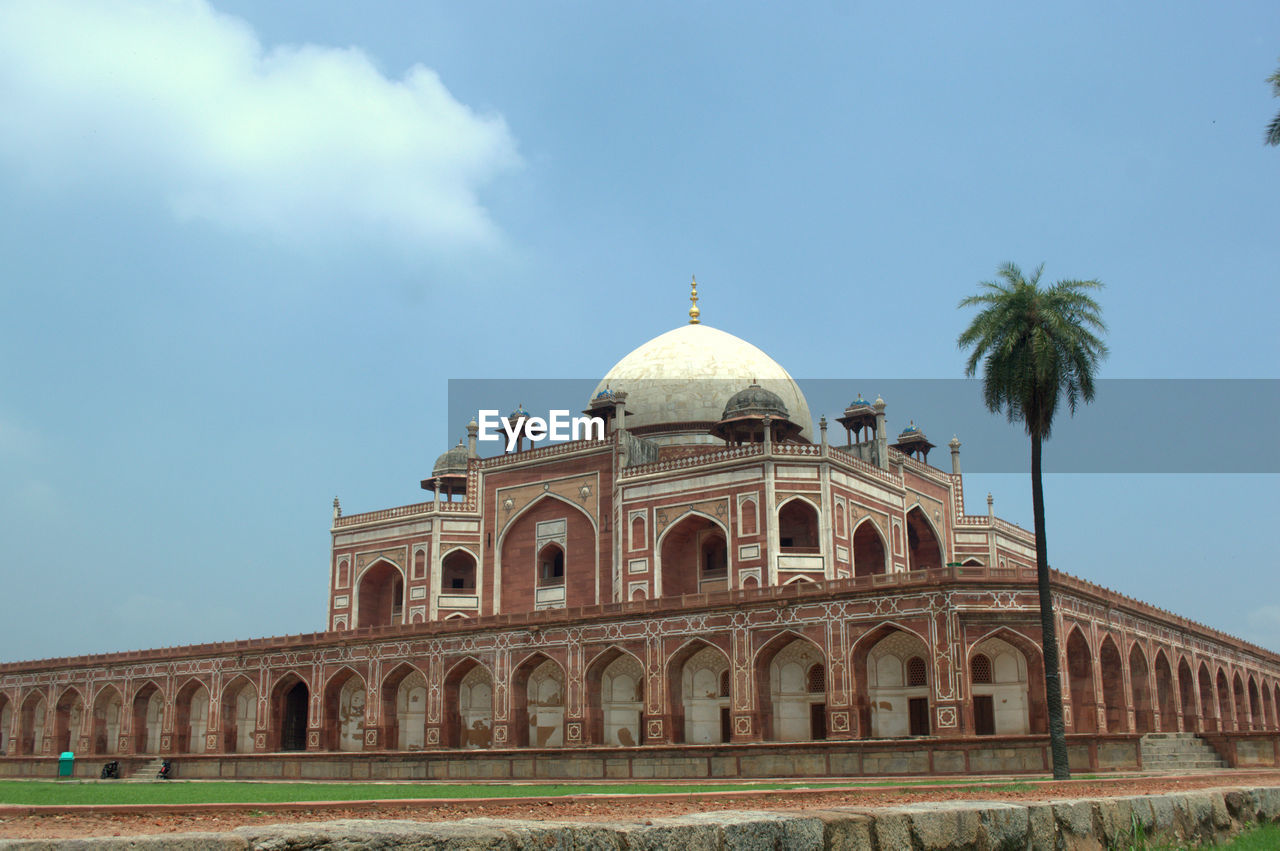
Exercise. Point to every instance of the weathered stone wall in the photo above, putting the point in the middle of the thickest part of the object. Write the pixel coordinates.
(1201, 816)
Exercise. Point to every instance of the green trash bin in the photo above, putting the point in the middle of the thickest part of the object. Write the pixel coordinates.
(66, 764)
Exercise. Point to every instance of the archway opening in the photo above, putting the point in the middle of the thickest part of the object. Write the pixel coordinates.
(713, 562)
(551, 566)
(1187, 697)
(68, 720)
(798, 528)
(796, 684)
(148, 715)
(615, 699)
(6, 724)
(1084, 706)
(686, 546)
(1113, 687)
(1255, 706)
(699, 693)
(291, 706)
(191, 718)
(108, 710)
(1144, 719)
(924, 551)
(458, 573)
(381, 596)
(1226, 720)
(344, 712)
(868, 550)
(1241, 705)
(1209, 718)
(898, 686)
(537, 691)
(469, 698)
(31, 724)
(239, 716)
(404, 709)
(999, 685)
(1268, 709)
(1165, 695)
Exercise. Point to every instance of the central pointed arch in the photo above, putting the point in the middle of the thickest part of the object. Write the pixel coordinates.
(1006, 680)
(468, 701)
(698, 693)
(548, 519)
(790, 676)
(615, 699)
(892, 665)
(538, 702)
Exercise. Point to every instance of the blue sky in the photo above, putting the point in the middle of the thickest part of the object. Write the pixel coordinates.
(246, 245)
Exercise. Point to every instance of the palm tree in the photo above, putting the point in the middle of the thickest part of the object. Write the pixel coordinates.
(1273, 129)
(1036, 345)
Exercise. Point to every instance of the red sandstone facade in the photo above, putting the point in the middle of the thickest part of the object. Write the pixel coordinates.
(647, 590)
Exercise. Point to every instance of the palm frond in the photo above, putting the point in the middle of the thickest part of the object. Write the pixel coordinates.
(1273, 129)
(1038, 347)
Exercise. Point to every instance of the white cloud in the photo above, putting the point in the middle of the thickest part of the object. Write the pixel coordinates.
(175, 101)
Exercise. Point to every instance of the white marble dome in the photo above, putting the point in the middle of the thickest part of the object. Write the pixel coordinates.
(688, 374)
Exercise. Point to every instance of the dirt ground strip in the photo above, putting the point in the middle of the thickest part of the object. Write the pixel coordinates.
(182, 818)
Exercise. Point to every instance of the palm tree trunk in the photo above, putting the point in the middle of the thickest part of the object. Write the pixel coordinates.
(1048, 629)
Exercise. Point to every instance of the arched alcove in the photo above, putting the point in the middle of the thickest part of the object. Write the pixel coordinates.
(924, 552)
(798, 527)
(868, 550)
(380, 595)
(1084, 705)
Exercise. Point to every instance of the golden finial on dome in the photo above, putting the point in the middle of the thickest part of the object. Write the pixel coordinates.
(694, 313)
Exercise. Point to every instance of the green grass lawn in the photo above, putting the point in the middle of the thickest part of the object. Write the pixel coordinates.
(1263, 838)
(63, 793)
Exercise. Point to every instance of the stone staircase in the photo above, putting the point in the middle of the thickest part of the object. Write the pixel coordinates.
(146, 773)
(1178, 752)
